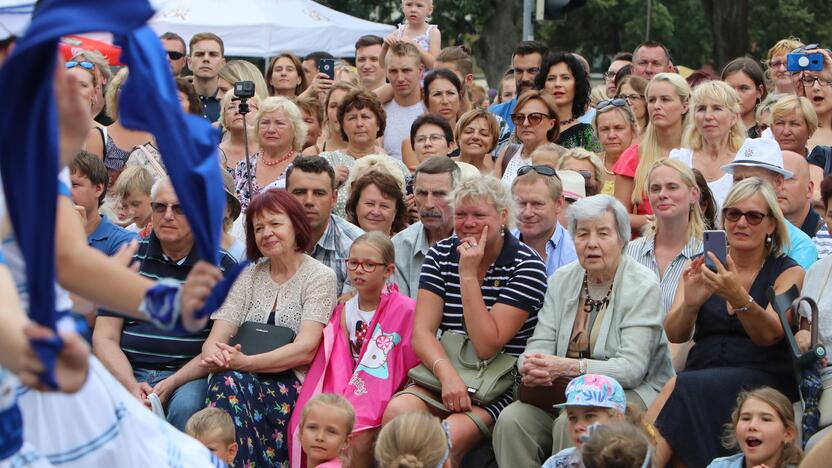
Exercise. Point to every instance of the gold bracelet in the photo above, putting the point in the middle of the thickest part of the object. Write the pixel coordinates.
(433, 368)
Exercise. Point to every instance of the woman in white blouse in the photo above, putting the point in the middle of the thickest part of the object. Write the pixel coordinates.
(283, 286)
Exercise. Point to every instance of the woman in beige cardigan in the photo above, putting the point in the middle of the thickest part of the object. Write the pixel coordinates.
(601, 315)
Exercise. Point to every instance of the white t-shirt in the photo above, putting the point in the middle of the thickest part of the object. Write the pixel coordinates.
(358, 325)
(719, 188)
(399, 120)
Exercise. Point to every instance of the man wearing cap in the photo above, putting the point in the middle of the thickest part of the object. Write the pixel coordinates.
(574, 189)
(796, 199)
(538, 192)
(433, 182)
(762, 157)
(311, 180)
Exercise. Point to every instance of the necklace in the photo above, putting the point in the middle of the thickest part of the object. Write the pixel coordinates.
(567, 121)
(278, 160)
(593, 305)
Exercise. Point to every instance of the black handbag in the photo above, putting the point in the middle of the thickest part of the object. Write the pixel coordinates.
(258, 338)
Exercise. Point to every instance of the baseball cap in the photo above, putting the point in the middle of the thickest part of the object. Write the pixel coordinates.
(759, 152)
(595, 390)
(573, 184)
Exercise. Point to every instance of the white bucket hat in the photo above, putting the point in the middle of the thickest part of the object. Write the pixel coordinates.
(759, 152)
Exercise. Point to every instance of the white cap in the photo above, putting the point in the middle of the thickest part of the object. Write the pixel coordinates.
(759, 152)
(574, 184)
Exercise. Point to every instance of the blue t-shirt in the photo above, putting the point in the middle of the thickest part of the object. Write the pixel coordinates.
(108, 237)
(801, 248)
(504, 110)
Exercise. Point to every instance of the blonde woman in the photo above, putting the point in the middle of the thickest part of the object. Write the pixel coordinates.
(667, 107)
(793, 122)
(241, 70)
(588, 165)
(714, 137)
(617, 128)
(232, 148)
(776, 61)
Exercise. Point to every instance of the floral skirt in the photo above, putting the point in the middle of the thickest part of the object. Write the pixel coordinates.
(260, 406)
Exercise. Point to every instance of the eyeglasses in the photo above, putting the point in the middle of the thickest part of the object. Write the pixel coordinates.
(631, 97)
(585, 174)
(83, 64)
(752, 217)
(617, 102)
(369, 267)
(810, 81)
(434, 138)
(534, 118)
(540, 169)
(162, 208)
(174, 55)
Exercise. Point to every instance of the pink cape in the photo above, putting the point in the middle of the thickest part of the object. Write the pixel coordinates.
(381, 370)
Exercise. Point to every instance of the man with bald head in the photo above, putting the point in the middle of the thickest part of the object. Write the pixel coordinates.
(796, 198)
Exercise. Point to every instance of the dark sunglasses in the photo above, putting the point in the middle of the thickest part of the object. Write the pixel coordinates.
(162, 208)
(540, 169)
(534, 118)
(174, 55)
(617, 102)
(751, 217)
(82, 64)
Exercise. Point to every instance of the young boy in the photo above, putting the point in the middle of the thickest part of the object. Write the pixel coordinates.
(133, 188)
(215, 430)
(590, 399)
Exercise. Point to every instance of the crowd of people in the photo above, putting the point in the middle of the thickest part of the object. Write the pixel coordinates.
(401, 232)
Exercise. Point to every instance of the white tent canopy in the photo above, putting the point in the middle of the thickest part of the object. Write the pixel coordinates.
(263, 28)
(14, 17)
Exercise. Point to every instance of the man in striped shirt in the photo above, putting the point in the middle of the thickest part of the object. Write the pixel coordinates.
(146, 359)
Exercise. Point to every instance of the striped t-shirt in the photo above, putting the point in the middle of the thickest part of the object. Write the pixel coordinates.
(517, 278)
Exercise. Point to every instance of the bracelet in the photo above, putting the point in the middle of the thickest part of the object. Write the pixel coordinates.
(745, 307)
(581, 366)
(433, 368)
(162, 305)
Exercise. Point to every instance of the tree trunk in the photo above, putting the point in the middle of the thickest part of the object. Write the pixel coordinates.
(501, 32)
(729, 28)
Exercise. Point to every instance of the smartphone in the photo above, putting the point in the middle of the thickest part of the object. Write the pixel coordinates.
(716, 242)
(327, 67)
(804, 62)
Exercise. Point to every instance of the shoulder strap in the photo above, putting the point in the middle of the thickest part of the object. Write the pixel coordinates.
(152, 161)
(103, 132)
(511, 150)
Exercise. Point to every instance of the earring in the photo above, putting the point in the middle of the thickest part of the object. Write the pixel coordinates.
(768, 239)
(503, 230)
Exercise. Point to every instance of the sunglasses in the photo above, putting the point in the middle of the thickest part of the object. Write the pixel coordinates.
(540, 169)
(751, 217)
(83, 64)
(617, 102)
(162, 208)
(174, 55)
(534, 118)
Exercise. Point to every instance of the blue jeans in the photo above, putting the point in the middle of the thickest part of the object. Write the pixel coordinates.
(185, 400)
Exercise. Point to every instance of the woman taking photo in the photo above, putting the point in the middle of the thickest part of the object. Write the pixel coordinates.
(476, 137)
(563, 76)
(282, 286)
(481, 282)
(601, 315)
(738, 336)
(715, 137)
(617, 129)
(667, 106)
(280, 132)
(443, 97)
(746, 77)
(633, 88)
(376, 203)
(232, 148)
(535, 120)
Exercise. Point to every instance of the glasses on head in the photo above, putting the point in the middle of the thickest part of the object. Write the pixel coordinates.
(434, 138)
(751, 217)
(805, 48)
(540, 169)
(162, 208)
(83, 64)
(617, 102)
(585, 174)
(174, 55)
(810, 81)
(369, 267)
(519, 118)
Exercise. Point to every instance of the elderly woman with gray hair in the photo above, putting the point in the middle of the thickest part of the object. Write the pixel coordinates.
(601, 315)
(481, 282)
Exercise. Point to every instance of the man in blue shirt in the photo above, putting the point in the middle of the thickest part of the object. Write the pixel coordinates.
(89, 185)
(525, 62)
(539, 198)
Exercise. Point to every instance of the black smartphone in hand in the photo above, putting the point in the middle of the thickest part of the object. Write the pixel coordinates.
(327, 67)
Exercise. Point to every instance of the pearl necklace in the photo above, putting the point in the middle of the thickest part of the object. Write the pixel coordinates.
(279, 160)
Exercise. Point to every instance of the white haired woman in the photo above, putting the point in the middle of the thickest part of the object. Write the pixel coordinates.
(601, 316)
(280, 132)
(738, 337)
(482, 276)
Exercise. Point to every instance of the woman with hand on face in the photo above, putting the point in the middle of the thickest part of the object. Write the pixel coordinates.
(376, 203)
(667, 106)
(481, 282)
(738, 336)
(715, 137)
(280, 132)
(563, 76)
(84, 73)
(232, 148)
(535, 120)
(442, 97)
(633, 88)
(282, 286)
(746, 77)
(476, 136)
(285, 77)
(617, 129)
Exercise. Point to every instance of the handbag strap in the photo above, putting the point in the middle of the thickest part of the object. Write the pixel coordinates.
(436, 404)
(152, 161)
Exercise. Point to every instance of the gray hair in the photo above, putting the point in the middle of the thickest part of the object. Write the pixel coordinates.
(163, 182)
(292, 112)
(594, 207)
(488, 187)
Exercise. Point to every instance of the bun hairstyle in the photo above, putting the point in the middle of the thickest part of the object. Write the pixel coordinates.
(616, 445)
(412, 440)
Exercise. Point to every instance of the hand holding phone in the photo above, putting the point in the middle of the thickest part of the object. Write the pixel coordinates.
(327, 67)
(715, 242)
